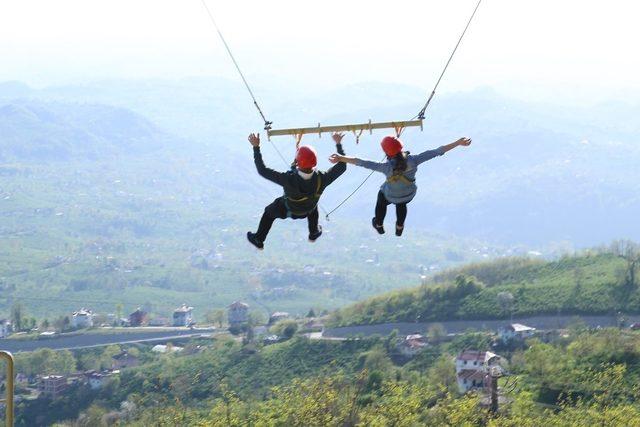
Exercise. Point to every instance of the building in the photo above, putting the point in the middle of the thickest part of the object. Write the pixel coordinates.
(161, 348)
(82, 319)
(472, 369)
(139, 318)
(238, 314)
(413, 344)
(124, 360)
(5, 328)
(183, 316)
(52, 385)
(97, 380)
(278, 316)
(516, 331)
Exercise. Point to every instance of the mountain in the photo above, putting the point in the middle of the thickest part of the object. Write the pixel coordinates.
(45, 131)
(587, 284)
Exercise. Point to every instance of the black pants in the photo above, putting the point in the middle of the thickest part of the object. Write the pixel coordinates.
(278, 209)
(381, 210)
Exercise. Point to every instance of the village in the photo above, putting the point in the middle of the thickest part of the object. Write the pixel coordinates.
(473, 367)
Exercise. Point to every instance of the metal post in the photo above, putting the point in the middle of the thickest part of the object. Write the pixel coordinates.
(10, 387)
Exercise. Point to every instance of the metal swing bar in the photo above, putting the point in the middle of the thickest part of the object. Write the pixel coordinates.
(369, 126)
(8, 401)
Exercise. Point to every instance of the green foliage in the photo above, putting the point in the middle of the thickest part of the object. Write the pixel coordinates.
(526, 288)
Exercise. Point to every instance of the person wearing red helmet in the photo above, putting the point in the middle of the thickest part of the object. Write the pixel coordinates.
(303, 185)
(400, 169)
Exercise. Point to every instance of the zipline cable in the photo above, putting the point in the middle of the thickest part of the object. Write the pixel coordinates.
(267, 123)
(420, 115)
(444, 70)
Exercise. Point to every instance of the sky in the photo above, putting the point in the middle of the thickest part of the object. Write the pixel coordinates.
(577, 50)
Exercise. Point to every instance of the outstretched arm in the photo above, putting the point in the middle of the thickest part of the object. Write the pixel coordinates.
(265, 172)
(367, 164)
(430, 154)
(338, 169)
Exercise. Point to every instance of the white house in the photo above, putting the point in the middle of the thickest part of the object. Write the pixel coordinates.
(183, 316)
(82, 318)
(98, 379)
(5, 328)
(516, 331)
(413, 344)
(278, 316)
(472, 369)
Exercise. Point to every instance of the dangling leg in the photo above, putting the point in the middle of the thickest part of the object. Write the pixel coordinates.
(381, 211)
(401, 216)
(315, 230)
(277, 209)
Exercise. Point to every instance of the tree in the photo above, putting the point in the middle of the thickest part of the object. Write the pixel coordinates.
(216, 317)
(436, 332)
(17, 316)
(505, 299)
(285, 328)
(311, 313)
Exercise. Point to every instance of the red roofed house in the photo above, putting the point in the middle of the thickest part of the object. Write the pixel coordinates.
(413, 344)
(472, 367)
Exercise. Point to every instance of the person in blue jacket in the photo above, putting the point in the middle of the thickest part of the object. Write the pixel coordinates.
(400, 169)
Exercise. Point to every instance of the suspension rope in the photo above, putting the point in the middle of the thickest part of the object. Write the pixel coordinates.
(420, 115)
(267, 123)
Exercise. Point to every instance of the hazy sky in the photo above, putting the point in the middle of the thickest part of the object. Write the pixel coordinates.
(542, 48)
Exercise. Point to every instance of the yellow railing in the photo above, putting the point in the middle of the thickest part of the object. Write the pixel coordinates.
(9, 384)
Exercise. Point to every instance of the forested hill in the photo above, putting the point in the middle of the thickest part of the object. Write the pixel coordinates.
(586, 284)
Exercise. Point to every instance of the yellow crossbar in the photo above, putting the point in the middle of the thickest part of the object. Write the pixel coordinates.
(345, 128)
(10, 376)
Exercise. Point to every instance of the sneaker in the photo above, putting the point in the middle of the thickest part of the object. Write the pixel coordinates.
(251, 237)
(378, 228)
(399, 230)
(314, 236)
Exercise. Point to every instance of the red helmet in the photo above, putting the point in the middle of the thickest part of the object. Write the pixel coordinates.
(391, 145)
(306, 157)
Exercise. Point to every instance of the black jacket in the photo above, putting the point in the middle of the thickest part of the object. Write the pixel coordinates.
(301, 195)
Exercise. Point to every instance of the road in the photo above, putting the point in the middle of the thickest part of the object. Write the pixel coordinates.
(89, 339)
(459, 326)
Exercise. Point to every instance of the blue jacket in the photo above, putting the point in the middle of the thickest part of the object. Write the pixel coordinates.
(400, 189)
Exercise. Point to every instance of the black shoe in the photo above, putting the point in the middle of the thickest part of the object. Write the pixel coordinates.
(399, 230)
(251, 237)
(378, 228)
(314, 236)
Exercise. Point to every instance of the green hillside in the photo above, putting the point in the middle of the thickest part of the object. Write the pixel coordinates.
(593, 283)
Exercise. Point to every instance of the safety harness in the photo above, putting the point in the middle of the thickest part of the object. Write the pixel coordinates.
(315, 197)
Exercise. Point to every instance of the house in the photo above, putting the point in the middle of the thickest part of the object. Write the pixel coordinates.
(138, 318)
(413, 344)
(82, 319)
(238, 314)
(515, 331)
(124, 360)
(278, 316)
(183, 316)
(52, 385)
(5, 328)
(472, 369)
(313, 325)
(161, 348)
(97, 380)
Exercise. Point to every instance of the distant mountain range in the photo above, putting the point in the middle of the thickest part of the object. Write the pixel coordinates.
(536, 174)
(44, 131)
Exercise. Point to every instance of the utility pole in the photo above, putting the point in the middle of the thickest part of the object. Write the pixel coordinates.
(495, 372)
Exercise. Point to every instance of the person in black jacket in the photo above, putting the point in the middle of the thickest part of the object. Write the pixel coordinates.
(303, 185)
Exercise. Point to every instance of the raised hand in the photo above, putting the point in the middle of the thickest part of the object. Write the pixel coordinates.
(254, 139)
(337, 137)
(464, 141)
(335, 158)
